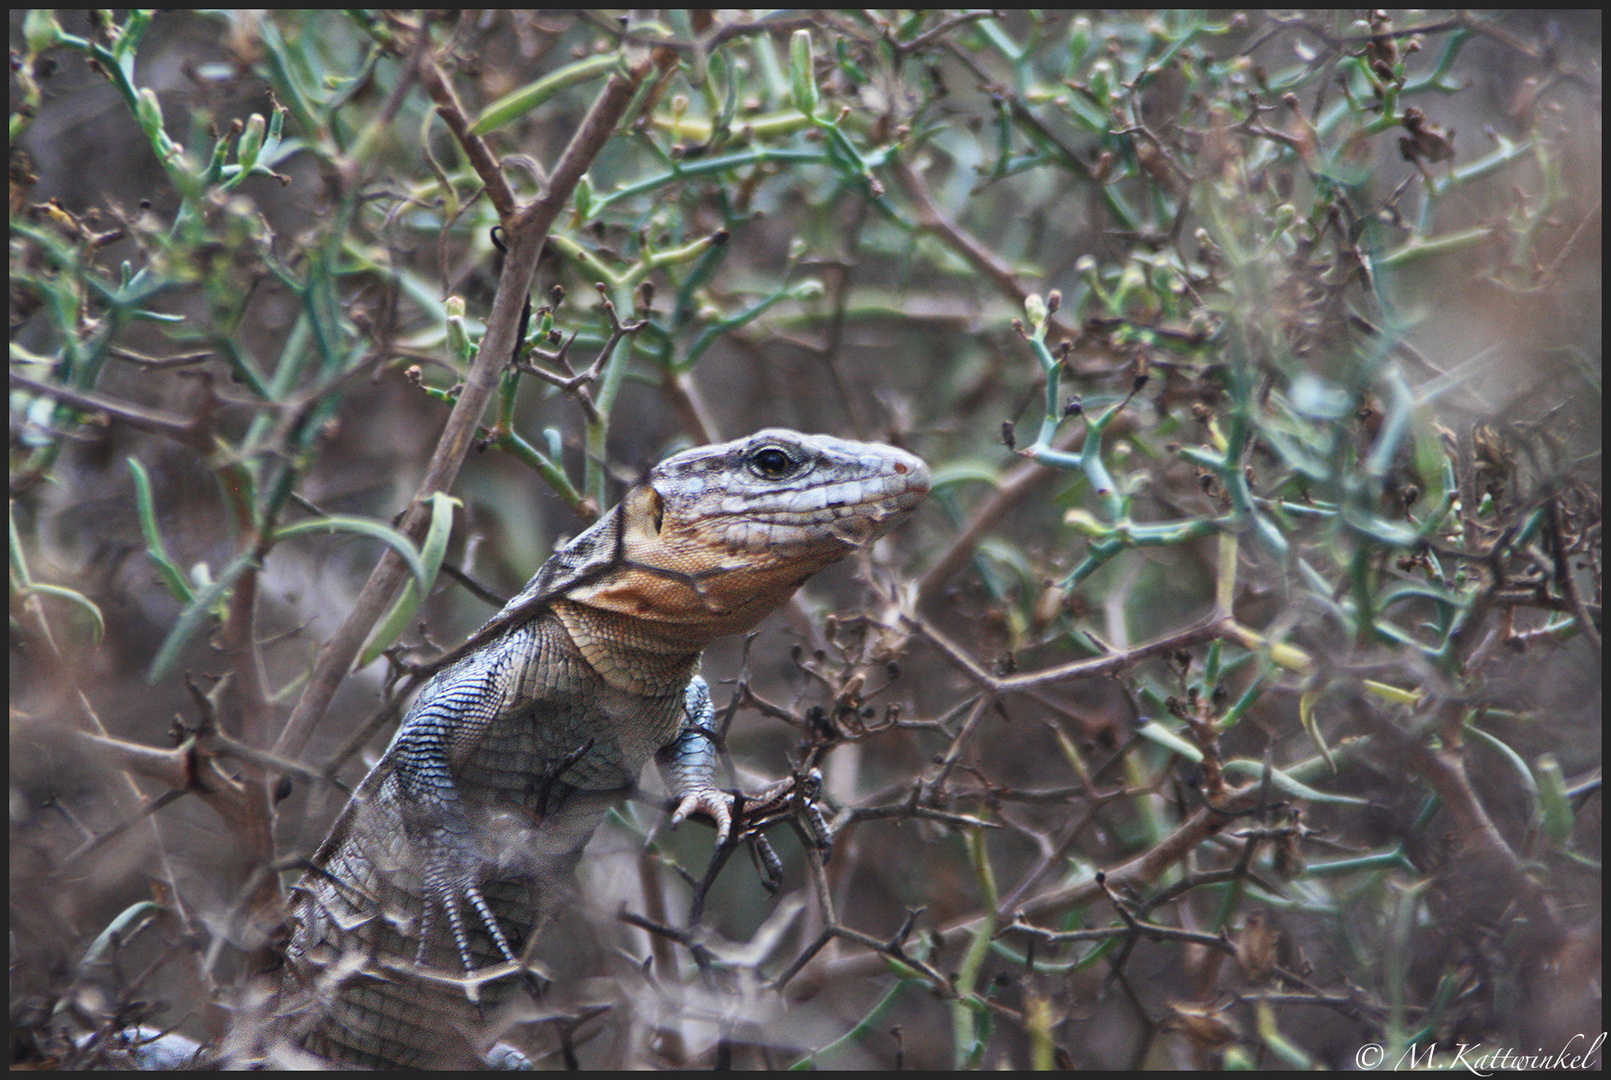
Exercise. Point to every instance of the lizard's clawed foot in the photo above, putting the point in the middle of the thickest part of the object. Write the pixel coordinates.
(452, 880)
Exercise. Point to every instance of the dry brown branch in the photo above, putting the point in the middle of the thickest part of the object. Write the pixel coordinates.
(1484, 846)
(1019, 482)
(193, 430)
(931, 217)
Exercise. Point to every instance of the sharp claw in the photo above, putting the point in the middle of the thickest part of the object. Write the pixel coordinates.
(490, 922)
(460, 939)
(427, 928)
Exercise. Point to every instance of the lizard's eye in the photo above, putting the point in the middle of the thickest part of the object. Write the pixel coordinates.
(771, 463)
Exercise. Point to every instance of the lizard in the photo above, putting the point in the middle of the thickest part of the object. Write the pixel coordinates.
(417, 913)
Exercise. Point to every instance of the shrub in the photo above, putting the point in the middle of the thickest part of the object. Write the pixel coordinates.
(1243, 705)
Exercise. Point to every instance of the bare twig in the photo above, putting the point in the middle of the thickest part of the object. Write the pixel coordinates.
(475, 147)
(1444, 771)
(977, 254)
(1016, 486)
(934, 33)
(1205, 631)
(192, 430)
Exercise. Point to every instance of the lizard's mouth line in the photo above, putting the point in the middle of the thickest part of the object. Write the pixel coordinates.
(897, 504)
(827, 515)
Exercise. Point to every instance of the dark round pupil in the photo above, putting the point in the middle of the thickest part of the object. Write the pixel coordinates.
(772, 462)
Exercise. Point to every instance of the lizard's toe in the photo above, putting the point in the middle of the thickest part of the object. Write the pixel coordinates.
(716, 805)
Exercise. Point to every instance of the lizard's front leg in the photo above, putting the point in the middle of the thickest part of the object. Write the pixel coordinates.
(688, 764)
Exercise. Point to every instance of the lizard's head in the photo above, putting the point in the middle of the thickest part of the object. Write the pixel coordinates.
(780, 493)
(720, 536)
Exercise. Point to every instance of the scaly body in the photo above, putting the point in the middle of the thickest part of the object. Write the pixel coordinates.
(413, 923)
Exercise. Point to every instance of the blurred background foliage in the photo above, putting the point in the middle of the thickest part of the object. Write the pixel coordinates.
(1257, 358)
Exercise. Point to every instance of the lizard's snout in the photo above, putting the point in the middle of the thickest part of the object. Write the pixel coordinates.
(912, 476)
